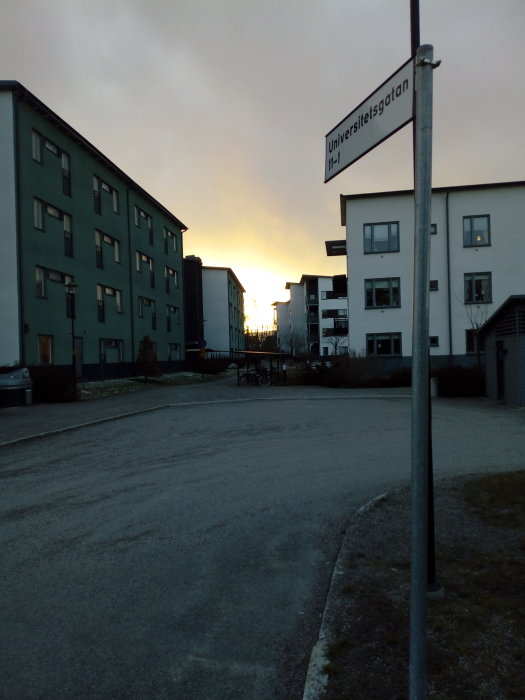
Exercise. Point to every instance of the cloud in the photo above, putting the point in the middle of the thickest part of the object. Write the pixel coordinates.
(219, 107)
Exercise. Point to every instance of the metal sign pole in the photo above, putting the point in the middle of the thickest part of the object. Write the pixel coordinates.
(420, 370)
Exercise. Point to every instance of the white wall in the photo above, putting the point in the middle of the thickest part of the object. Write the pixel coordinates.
(504, 258)
(9, 284)
(326, 345)
(298, 318)
(215, 308)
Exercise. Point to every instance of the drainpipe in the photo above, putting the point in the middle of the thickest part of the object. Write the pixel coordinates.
(130, 267)
(447, 228)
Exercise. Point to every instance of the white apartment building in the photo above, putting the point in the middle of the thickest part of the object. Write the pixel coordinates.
(477, 261)
(223, 309)
(315, 320)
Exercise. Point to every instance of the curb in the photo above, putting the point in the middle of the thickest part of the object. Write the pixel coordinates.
(316, 679)
(78, 426)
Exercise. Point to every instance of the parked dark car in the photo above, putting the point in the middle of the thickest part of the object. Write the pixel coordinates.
(16, 387)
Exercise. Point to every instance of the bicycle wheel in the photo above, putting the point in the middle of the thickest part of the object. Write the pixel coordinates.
(265, 380)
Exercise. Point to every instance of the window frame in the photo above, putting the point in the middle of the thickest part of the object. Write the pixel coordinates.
(471, 278)
(468, 236)
(392, 304)
(49, 341)
(391, 247)
(391, 337)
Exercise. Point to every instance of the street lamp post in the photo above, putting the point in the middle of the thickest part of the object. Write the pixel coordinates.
(71, 289)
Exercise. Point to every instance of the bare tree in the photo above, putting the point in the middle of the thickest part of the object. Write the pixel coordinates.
(477, 314)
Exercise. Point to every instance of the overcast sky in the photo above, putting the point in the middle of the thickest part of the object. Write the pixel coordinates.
(219, 108)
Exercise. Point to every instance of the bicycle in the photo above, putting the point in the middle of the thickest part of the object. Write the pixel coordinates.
(255, 378)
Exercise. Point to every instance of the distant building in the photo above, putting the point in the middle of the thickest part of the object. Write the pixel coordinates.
(315, 320)
(193, 304)
(477, 261)
(223, 308)
(70, 215)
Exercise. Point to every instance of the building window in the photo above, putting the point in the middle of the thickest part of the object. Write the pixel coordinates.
(381, 237)
(145, 261)
(381, 293)
(476, 231)
(174, 351)
(43, 209)
(45, 349)
(172, 316)
(51, 147)
(66, 174)
(334, 313)
(478, 287)
(433, 229)
(170, 241)
(102, 292)
(39, 142)
(37, 146)
(111, 350)
(143, 219)
(40, 280)
(68, 236)
(434, 285)
(383, 343)
(43, 274)
(100, 240)
(171, 278)
(433, 341)
(38, 214)
(145, 303)
(111, 194)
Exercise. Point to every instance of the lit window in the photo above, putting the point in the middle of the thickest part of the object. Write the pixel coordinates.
(476, 231)
(45, 349)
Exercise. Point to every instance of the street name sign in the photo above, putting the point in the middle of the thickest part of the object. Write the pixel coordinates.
(386, 111)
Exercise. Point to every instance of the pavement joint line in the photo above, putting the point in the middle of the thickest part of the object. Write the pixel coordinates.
(129, 414)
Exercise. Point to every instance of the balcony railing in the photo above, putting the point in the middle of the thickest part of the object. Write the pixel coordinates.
(339, 330)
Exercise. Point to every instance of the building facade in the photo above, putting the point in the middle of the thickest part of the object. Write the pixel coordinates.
(223, 307)
(72, 217)
(477, 261)
(193, 305)
(315, 320)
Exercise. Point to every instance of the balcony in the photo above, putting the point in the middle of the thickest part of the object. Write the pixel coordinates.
(335, 331)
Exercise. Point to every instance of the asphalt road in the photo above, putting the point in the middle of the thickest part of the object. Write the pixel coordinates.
(185, 553)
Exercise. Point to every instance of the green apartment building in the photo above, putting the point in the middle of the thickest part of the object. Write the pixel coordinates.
(90, 263)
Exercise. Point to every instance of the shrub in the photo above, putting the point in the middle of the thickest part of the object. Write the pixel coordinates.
(52, 384)
(146, 362)
(460, 381)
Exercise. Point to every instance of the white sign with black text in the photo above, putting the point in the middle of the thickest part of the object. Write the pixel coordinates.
(386, 111)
